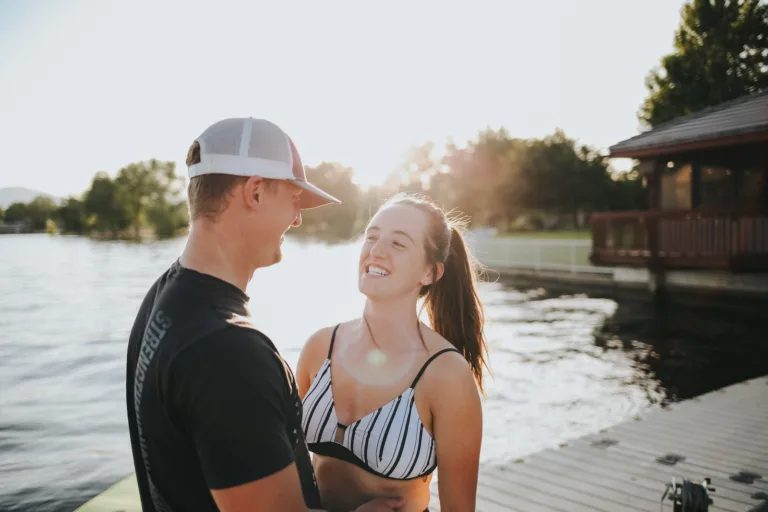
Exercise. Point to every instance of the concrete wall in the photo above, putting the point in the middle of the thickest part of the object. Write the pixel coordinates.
(565, 261)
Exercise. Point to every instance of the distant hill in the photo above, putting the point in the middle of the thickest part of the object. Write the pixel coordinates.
(10, 195)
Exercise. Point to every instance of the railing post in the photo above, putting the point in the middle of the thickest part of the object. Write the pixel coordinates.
(657, 275)
(573, 256)
(652, 225)
(597, 224)
(538, 256)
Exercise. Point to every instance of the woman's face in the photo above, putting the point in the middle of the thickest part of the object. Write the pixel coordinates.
(393, 259)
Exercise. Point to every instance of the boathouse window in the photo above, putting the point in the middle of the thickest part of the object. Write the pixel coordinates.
(676, 186)
(716, 186)
(752, 187)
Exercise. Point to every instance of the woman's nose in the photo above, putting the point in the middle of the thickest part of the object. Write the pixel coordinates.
(377, 249)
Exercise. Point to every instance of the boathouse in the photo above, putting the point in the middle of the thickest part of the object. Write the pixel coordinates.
(707, 177)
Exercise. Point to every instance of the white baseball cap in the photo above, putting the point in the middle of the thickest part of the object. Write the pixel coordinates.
(255, 147)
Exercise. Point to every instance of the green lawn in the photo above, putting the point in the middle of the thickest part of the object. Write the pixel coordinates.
(559, 235)
(537, 251)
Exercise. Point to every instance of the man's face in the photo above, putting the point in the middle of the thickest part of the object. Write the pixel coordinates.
(279, 211)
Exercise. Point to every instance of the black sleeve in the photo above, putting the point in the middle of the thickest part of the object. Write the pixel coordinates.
(228, 392)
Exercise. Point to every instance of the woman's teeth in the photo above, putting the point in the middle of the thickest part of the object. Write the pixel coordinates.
(377, 271)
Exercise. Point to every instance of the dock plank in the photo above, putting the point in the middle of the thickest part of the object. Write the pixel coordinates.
(582, 475)
(651, 477)
(720, 434)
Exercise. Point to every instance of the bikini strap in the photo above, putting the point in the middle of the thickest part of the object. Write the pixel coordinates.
(333, 338)
(421, 372)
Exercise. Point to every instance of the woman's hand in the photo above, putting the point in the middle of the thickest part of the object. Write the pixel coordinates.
(381, 505)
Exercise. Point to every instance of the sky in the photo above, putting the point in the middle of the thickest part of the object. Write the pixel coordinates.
(89, 86)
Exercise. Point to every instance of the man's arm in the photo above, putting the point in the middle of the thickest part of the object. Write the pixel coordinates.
(279, 491)
(229, 393)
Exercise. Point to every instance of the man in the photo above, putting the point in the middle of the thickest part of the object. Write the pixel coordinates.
(213, 410)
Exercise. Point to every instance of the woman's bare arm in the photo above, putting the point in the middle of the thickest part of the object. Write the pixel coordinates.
(457, 423)
(311, 358)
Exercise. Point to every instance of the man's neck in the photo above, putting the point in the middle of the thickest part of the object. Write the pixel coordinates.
(210, 250)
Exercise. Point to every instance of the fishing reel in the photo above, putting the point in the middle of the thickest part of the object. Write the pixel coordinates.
(687, 496)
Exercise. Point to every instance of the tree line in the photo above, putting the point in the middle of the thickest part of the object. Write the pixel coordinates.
(143, 196)
(495, 180)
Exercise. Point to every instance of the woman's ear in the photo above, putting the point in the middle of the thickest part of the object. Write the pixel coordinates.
(438, 268)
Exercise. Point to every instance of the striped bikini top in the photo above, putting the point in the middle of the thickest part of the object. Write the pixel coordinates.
(390, 442)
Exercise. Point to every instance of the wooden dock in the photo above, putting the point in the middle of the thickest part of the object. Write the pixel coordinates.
(722, 435)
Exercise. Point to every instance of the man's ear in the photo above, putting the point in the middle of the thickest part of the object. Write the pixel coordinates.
(253, 192)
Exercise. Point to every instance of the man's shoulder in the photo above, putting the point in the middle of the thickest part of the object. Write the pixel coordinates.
(235, 339)
(232, 359)
(239, 332)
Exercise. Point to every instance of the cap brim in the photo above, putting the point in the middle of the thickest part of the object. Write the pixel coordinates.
(313, 197)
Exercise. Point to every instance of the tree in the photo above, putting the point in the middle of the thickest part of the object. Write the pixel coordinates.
(168, 219)
(39, 211)
(144, 185)
(552, 175)
(167, 210)
(721, 53)
(476, 174)
(2, 215)
(414, 174)
(105, 212)
(72, 216)
(338, 221)
(16, 212)
(497, 178)
(628, 192)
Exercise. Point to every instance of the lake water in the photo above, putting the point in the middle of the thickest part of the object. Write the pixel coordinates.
(564, 364)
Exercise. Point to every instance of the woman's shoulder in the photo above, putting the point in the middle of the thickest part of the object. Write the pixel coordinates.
(318, 344)
(450, 362)
(447, 382)
(319, 341)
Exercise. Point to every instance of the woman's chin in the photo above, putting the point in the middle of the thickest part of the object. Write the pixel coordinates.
(371, 289)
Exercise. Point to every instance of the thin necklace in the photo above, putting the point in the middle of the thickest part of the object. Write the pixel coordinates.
(377, 357)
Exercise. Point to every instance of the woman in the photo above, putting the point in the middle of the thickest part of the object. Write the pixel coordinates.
(403, 401)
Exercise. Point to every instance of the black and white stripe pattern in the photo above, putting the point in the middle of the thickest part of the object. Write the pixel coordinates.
(391, 441)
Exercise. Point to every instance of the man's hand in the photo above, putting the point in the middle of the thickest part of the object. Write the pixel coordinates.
(381, 505)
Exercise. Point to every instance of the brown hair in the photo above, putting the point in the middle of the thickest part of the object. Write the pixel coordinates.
(208, 194)
(452, 302)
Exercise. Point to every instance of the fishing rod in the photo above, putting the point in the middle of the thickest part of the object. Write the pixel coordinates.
(688, 496)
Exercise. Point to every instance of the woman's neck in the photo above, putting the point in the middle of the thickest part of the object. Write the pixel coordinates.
(394, 324)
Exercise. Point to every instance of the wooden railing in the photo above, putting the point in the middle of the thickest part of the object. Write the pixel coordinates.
(733, 240)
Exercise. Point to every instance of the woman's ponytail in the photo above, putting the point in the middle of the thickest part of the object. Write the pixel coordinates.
(454, 307)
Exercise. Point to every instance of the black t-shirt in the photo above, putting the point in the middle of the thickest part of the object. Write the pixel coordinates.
(211, 403)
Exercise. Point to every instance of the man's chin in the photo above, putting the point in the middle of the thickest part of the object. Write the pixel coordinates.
(277, 257)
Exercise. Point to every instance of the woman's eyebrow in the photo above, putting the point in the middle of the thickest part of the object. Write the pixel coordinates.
(397, 231)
